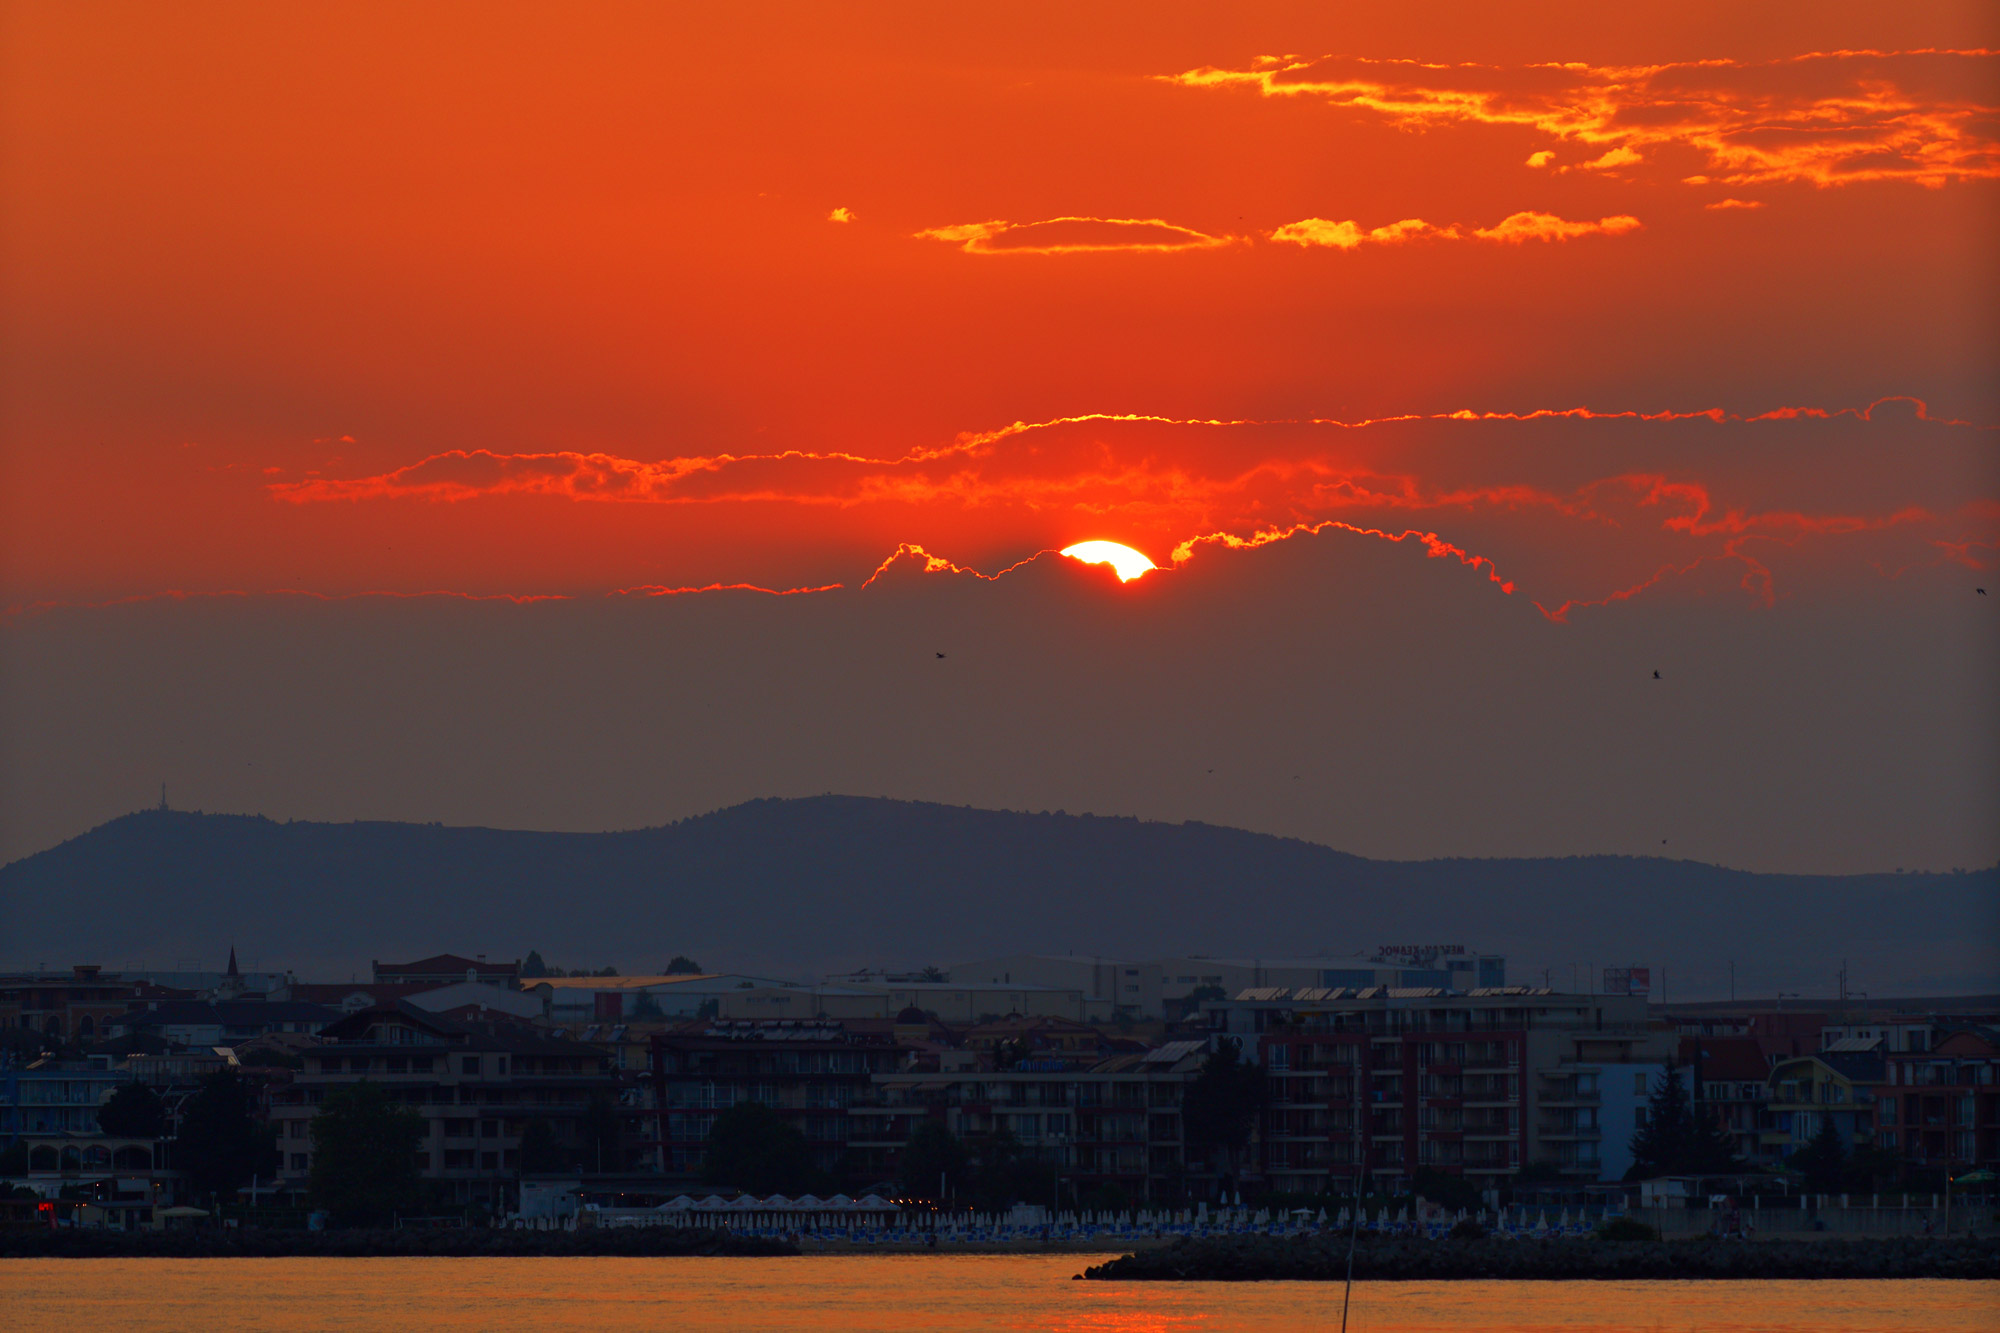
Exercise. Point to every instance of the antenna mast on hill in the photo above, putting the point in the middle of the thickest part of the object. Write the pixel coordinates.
(163, 796)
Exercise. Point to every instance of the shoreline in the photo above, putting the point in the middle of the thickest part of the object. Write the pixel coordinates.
(1318, 1258)
(1324, 1259)
(453, 1243)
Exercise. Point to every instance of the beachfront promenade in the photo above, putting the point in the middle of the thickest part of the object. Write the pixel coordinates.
(890, 1227)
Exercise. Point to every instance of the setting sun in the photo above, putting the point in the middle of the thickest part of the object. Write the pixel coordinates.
(1128, 563)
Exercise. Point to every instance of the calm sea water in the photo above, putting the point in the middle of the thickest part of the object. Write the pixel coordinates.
(908, 1292)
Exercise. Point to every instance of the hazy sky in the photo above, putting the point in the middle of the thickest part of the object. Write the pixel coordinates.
(386, 391)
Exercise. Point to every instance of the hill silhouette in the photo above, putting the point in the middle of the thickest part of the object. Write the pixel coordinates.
(801, 887)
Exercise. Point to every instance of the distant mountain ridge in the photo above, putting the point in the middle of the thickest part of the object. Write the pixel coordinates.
(808, 886)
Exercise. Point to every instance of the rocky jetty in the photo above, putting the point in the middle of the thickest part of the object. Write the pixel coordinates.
(1323, 1258)
(465, 1242)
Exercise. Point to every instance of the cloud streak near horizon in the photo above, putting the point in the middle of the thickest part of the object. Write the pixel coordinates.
(1575, 534)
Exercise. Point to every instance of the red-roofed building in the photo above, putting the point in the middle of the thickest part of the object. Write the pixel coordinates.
(444, 968)
(1729, 1077)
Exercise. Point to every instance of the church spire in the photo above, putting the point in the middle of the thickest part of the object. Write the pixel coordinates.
(232, 963)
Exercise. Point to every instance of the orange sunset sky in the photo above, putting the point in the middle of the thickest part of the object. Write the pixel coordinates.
(417, 412)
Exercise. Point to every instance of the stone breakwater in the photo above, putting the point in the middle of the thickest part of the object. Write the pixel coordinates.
(1323, 1258)
(455, 1243)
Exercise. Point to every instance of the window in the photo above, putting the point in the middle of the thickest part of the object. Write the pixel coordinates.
(298, 1161)
(469, 1064)
(295, 1129)
(1638, 1085)
(395, 1064)
(330, 1064)
(489, 1161)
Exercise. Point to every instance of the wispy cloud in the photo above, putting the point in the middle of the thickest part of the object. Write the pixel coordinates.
(1512, 230)
(1190, 483)
(1073, 235)
(1824, 118)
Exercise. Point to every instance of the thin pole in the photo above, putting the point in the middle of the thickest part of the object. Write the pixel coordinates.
(1353, 1229)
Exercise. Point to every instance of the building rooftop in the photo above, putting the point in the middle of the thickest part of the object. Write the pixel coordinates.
(442, 963)
(1727, 1059)
(617, 983)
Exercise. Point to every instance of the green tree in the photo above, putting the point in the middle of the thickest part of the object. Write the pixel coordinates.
(222, 1144)
(753, 1148)
(933, 1156)
(134, 1111)
(1870, 1167)
(1662, 1137)
(1822, 1160)
(1676, 1138)
(1219, 1109)
(533, 966)
(540, 1152)
(932, 973)
(266, 1057)
(364, 1155)
(682, 965)
(1004, 1173)
(1710, 1150)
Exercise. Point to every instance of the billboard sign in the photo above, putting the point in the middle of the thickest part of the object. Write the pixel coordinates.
(1417, 953)
(1628, 981)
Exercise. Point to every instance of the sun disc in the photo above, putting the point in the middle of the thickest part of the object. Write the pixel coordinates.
(1127, 563)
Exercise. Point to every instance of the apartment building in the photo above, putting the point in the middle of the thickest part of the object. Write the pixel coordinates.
(1941, 1106)
(809, 1072)
(681, 995)
(1112, 1122)
(69, 1006)
(1831, 1086)
(476, 1085)
(949, 1001)
(221, 1022)
(55, 1098)
(1167, 987)
(1385, 1081)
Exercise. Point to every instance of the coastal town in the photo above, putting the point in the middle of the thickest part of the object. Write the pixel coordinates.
(1028, 1087)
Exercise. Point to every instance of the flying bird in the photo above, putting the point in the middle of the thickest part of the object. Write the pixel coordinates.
(1980, 591)
(940, 657)
(1656, 675)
